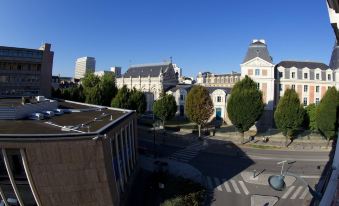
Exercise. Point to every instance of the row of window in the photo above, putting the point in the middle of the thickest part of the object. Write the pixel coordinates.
(11, 167)
(123, 148)
(20, 67)
(306, 76)
(223, 80)
(21, 53)
(317, 88)
(19, 78)
(317, 101)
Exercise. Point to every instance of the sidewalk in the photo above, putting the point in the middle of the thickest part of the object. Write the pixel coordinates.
(180, 139)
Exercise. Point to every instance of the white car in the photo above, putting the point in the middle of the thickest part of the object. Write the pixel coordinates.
(36, 116)
(48, 113)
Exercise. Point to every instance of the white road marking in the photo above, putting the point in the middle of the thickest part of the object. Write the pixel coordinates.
(235, 186)
(295, 194)
(243, 186)
(217, 182)
(303, 195)
(310, 176)
(227, 186)
(209, 182)
(288, 192)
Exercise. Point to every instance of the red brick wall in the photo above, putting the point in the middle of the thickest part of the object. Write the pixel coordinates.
(264, 72)
(311, 95)
(250, 72)
(264, 92)
(300, 92)
(323, 91)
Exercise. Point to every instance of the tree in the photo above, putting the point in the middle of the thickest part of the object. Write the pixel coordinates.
(199, 106)
(121, 100)
(310, 117)
(107, 88)
(165, 107)
(91, 88)
(137, 101)
(245, 105)
(289, 115)
(327, 114)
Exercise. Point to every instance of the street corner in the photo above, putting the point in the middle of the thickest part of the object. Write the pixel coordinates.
(260, 200)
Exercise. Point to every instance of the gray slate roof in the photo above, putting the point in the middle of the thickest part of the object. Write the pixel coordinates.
(334, 62)
(258, 49)
(187, 87)
(152, 70)
(303, 64)
(226, 89)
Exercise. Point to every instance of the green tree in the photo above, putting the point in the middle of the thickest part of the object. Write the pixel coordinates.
(289, 115)
(107, 88)
(199, 106)
(310, 117)
(327, 114)
(165, 107)
(245, 105)
(121, 100)
(137, 101)
(91, 84)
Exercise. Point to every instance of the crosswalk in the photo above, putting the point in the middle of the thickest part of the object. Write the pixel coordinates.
(296, 192)
(188, 153)
(230, 186)
(239, 187)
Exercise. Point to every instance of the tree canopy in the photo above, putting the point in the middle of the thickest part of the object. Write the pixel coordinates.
(130, 99)
(165, 107)
(199, 106)
(245, 105)
(310, 117)
(327, 114)
(289, 115)
(121, 100)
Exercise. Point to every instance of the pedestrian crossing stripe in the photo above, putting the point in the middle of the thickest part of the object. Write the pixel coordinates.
(288, 192)
(188, 153)
(242, 184)
(227, 186)
(295, 194)
(303, 195)
(235, 186)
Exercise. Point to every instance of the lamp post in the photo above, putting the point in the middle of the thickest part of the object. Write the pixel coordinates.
(155, 124)
(277, 182)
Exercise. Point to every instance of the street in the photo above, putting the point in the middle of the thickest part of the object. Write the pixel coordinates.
(229, 172)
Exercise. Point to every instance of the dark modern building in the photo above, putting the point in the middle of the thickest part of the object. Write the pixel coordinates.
(65, 153)
(25, 72)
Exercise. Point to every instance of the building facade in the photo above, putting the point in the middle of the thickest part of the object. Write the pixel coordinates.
(25, 72)
(218, 95)
(86, 155)
(84, 65)
(152, 79)
(208, 79)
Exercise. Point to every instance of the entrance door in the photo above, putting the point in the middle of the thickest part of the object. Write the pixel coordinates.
(182, 110)
(218, 113)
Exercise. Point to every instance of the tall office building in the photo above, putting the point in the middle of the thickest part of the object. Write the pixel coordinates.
(25, 72)
(84, 65)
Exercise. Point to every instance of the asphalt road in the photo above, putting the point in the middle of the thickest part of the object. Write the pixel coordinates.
(223, 172)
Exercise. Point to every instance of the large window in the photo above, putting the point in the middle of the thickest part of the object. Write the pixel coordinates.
(329, 77)
(317, 101)
(20, 179)
(293, 86)
(257, 72)
(317, 88)
(305, 101)
(305, 88)
(305, 75)
(218, 98)
(317, 76)
(293, 75)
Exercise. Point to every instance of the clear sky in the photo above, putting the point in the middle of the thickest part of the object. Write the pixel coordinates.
(200, 35)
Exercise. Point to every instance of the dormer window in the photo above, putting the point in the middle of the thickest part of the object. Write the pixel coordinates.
(317, 76)
(293, 75)
(305, 75)
(329, 77)
(257, 72)
(280, 75)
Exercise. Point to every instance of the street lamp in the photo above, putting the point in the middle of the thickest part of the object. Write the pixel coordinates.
(277, 182)
(155, 125)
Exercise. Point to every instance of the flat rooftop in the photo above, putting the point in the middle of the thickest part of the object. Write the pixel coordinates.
(79, 119)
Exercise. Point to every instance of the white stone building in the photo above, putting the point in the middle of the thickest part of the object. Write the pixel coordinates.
(209, 79)
(152, 79)
(218, 95)
(84, 65)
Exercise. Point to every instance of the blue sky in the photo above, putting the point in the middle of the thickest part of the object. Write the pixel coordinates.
(200, 35)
